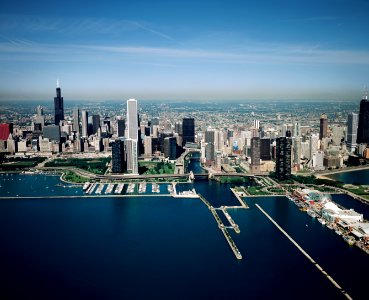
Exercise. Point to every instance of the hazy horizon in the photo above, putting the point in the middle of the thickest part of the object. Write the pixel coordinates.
(208, 50)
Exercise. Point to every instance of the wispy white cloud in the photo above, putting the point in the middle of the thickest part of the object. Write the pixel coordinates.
(258, 53)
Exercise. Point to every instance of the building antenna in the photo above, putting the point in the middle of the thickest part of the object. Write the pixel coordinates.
(365, 92)
(57, 83)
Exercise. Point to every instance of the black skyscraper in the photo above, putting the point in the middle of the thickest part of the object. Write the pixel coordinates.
(58, 105)
(119, 164)
(188, 131)
(363, 126)
(283, 158)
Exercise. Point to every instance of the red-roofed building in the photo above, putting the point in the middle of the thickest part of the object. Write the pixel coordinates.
(5, 130)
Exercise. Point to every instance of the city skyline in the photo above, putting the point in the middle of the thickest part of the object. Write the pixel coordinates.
(184, 51)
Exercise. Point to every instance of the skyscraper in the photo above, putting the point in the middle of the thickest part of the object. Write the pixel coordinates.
(352, 124)
(58, 105)
(323, 126)
(283, 158)
(84, 123)
(95, 123)
(255, 155)
(76, 119)
(131, 148)
(119, 165)
(363, 126)
(132, 119)
(121, 126)
(188, 131)
(170, 147)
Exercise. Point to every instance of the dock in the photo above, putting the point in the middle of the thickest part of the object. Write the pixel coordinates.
(229, 239)
(238, 196)
(230, 220)
(305, 254)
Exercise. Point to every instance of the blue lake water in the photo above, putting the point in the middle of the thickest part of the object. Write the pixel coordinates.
(352, 177)
(164, 247)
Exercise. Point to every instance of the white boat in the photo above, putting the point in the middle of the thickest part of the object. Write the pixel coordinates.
(311, 213)
(321, 220)
(338, 232)
(187, 194)
(86, 185)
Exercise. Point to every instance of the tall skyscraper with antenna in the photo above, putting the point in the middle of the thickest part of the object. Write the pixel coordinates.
(58, 105)
(363, 126)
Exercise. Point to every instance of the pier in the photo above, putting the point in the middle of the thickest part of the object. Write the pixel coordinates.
(230, 220)
(304, 253)
(237, 195)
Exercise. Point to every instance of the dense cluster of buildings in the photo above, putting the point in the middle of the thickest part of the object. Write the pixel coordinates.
(257, 148)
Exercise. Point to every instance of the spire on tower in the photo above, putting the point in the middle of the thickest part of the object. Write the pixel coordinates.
(57, 83)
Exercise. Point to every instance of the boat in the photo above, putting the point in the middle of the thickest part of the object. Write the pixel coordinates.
(349, 240)
(338, 232)
(321, 220)
(85, 186)
(187, 194)
(330, 226)
(311, 213)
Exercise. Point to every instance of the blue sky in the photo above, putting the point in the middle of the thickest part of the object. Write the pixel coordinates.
(184, 49)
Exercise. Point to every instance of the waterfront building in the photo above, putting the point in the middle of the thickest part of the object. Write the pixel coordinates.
(363, 125)
(119, 165)
(283, 158)
(76, 119)
(84, 123)
(323, 132)
(352, 124)
(58, 105)
(188, 131)
(317, 161)
(132, 119)
(130, 153)
(255, 155)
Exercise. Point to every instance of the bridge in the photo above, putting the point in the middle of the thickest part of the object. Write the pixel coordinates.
(180, 163)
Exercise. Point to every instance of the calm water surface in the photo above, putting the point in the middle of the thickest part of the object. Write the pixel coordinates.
(165, 248)
(352, 177)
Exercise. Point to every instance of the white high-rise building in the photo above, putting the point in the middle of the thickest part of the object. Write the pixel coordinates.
(352, 123)
(84, 123)
(132, 119)
(132, 134)
(314, 145)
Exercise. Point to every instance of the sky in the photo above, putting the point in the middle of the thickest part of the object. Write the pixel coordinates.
(184, 49)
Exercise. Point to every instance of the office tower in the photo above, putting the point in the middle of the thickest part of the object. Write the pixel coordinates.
(314, 145)
(84, 123)
(265, 153)
(323, 126)
(170, 148)
(52, 132)
(255, 155)
(338, 134)
(132, 119)
(95, 122)
(119, 165)
(363, 126)
(132, 147)
(297, 129)
(256, 124)
(297, 151)
(283, 158)
(210, 136)
(76, 119)
(178, 127)
(188, 131)
(58, 105)
(121, 126)
(5, 130)
(209, 153)
(284, 130)
(352, 124)
(148, 146)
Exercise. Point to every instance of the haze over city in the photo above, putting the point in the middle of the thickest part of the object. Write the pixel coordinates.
(184, 50)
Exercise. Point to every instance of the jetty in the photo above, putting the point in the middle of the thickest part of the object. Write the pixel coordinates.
(238, 195)
(305, 254)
